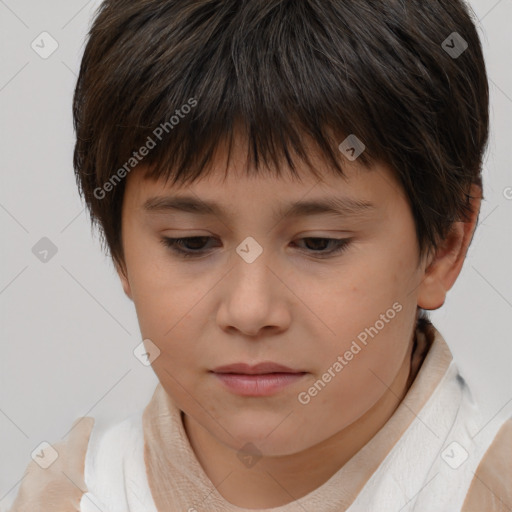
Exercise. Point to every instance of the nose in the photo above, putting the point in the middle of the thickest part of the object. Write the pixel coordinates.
(254, 298)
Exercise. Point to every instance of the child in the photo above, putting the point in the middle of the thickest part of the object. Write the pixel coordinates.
(286, 187)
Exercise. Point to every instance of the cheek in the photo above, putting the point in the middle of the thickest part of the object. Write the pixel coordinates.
(168, 315)
(372, 314)
(170, 312)
(362, 371)
(359, 294)
(156, 287)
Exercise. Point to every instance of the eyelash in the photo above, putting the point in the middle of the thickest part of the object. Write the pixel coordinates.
(175, 243)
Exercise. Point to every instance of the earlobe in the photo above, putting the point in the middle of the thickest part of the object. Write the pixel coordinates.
(441, 273)
(432, 294)
(443, 269)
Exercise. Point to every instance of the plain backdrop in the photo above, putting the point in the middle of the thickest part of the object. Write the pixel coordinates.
(68, 331)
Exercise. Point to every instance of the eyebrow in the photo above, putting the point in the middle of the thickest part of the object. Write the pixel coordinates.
(339, 206)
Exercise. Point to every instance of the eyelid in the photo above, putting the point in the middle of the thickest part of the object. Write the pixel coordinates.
(341, 244)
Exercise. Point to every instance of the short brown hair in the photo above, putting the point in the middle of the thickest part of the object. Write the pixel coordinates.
(283, 70)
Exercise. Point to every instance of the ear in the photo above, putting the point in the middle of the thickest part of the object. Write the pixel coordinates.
(446, 264)
(123, 275)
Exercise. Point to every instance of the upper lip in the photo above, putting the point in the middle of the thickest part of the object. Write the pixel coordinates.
(257, 369)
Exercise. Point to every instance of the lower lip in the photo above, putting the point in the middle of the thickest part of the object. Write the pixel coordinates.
(258, 385)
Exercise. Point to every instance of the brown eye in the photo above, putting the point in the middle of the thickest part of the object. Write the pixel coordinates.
(188, 247)
(320, 244)
(194, 246)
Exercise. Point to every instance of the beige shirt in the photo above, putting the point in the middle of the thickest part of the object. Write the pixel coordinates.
(434, 454)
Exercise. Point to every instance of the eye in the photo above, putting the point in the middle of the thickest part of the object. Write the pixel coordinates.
(338, 245)
(176, 245)
(190, 247)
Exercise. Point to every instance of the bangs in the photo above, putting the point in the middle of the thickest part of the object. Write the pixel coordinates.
(270, 73)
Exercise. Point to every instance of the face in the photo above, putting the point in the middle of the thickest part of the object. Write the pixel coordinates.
(331, 296)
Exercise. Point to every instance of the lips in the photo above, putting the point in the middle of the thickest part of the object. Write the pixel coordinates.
(259, 380)
(257, 369)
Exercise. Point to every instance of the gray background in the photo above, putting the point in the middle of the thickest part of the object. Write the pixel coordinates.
(68, 331)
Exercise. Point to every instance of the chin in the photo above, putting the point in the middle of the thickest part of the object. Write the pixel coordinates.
(262, 436)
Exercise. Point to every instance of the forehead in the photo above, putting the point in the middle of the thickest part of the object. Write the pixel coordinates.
(361, 197)
(229, 182)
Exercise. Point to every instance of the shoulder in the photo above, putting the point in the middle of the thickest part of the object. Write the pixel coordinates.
(115, 471)
(491, 487)
(54, 479)
(113, 445)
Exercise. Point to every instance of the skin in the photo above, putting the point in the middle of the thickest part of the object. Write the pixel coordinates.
(288, 306)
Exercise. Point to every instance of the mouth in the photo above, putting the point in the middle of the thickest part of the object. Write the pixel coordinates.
(263, 368)
(262, 379)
